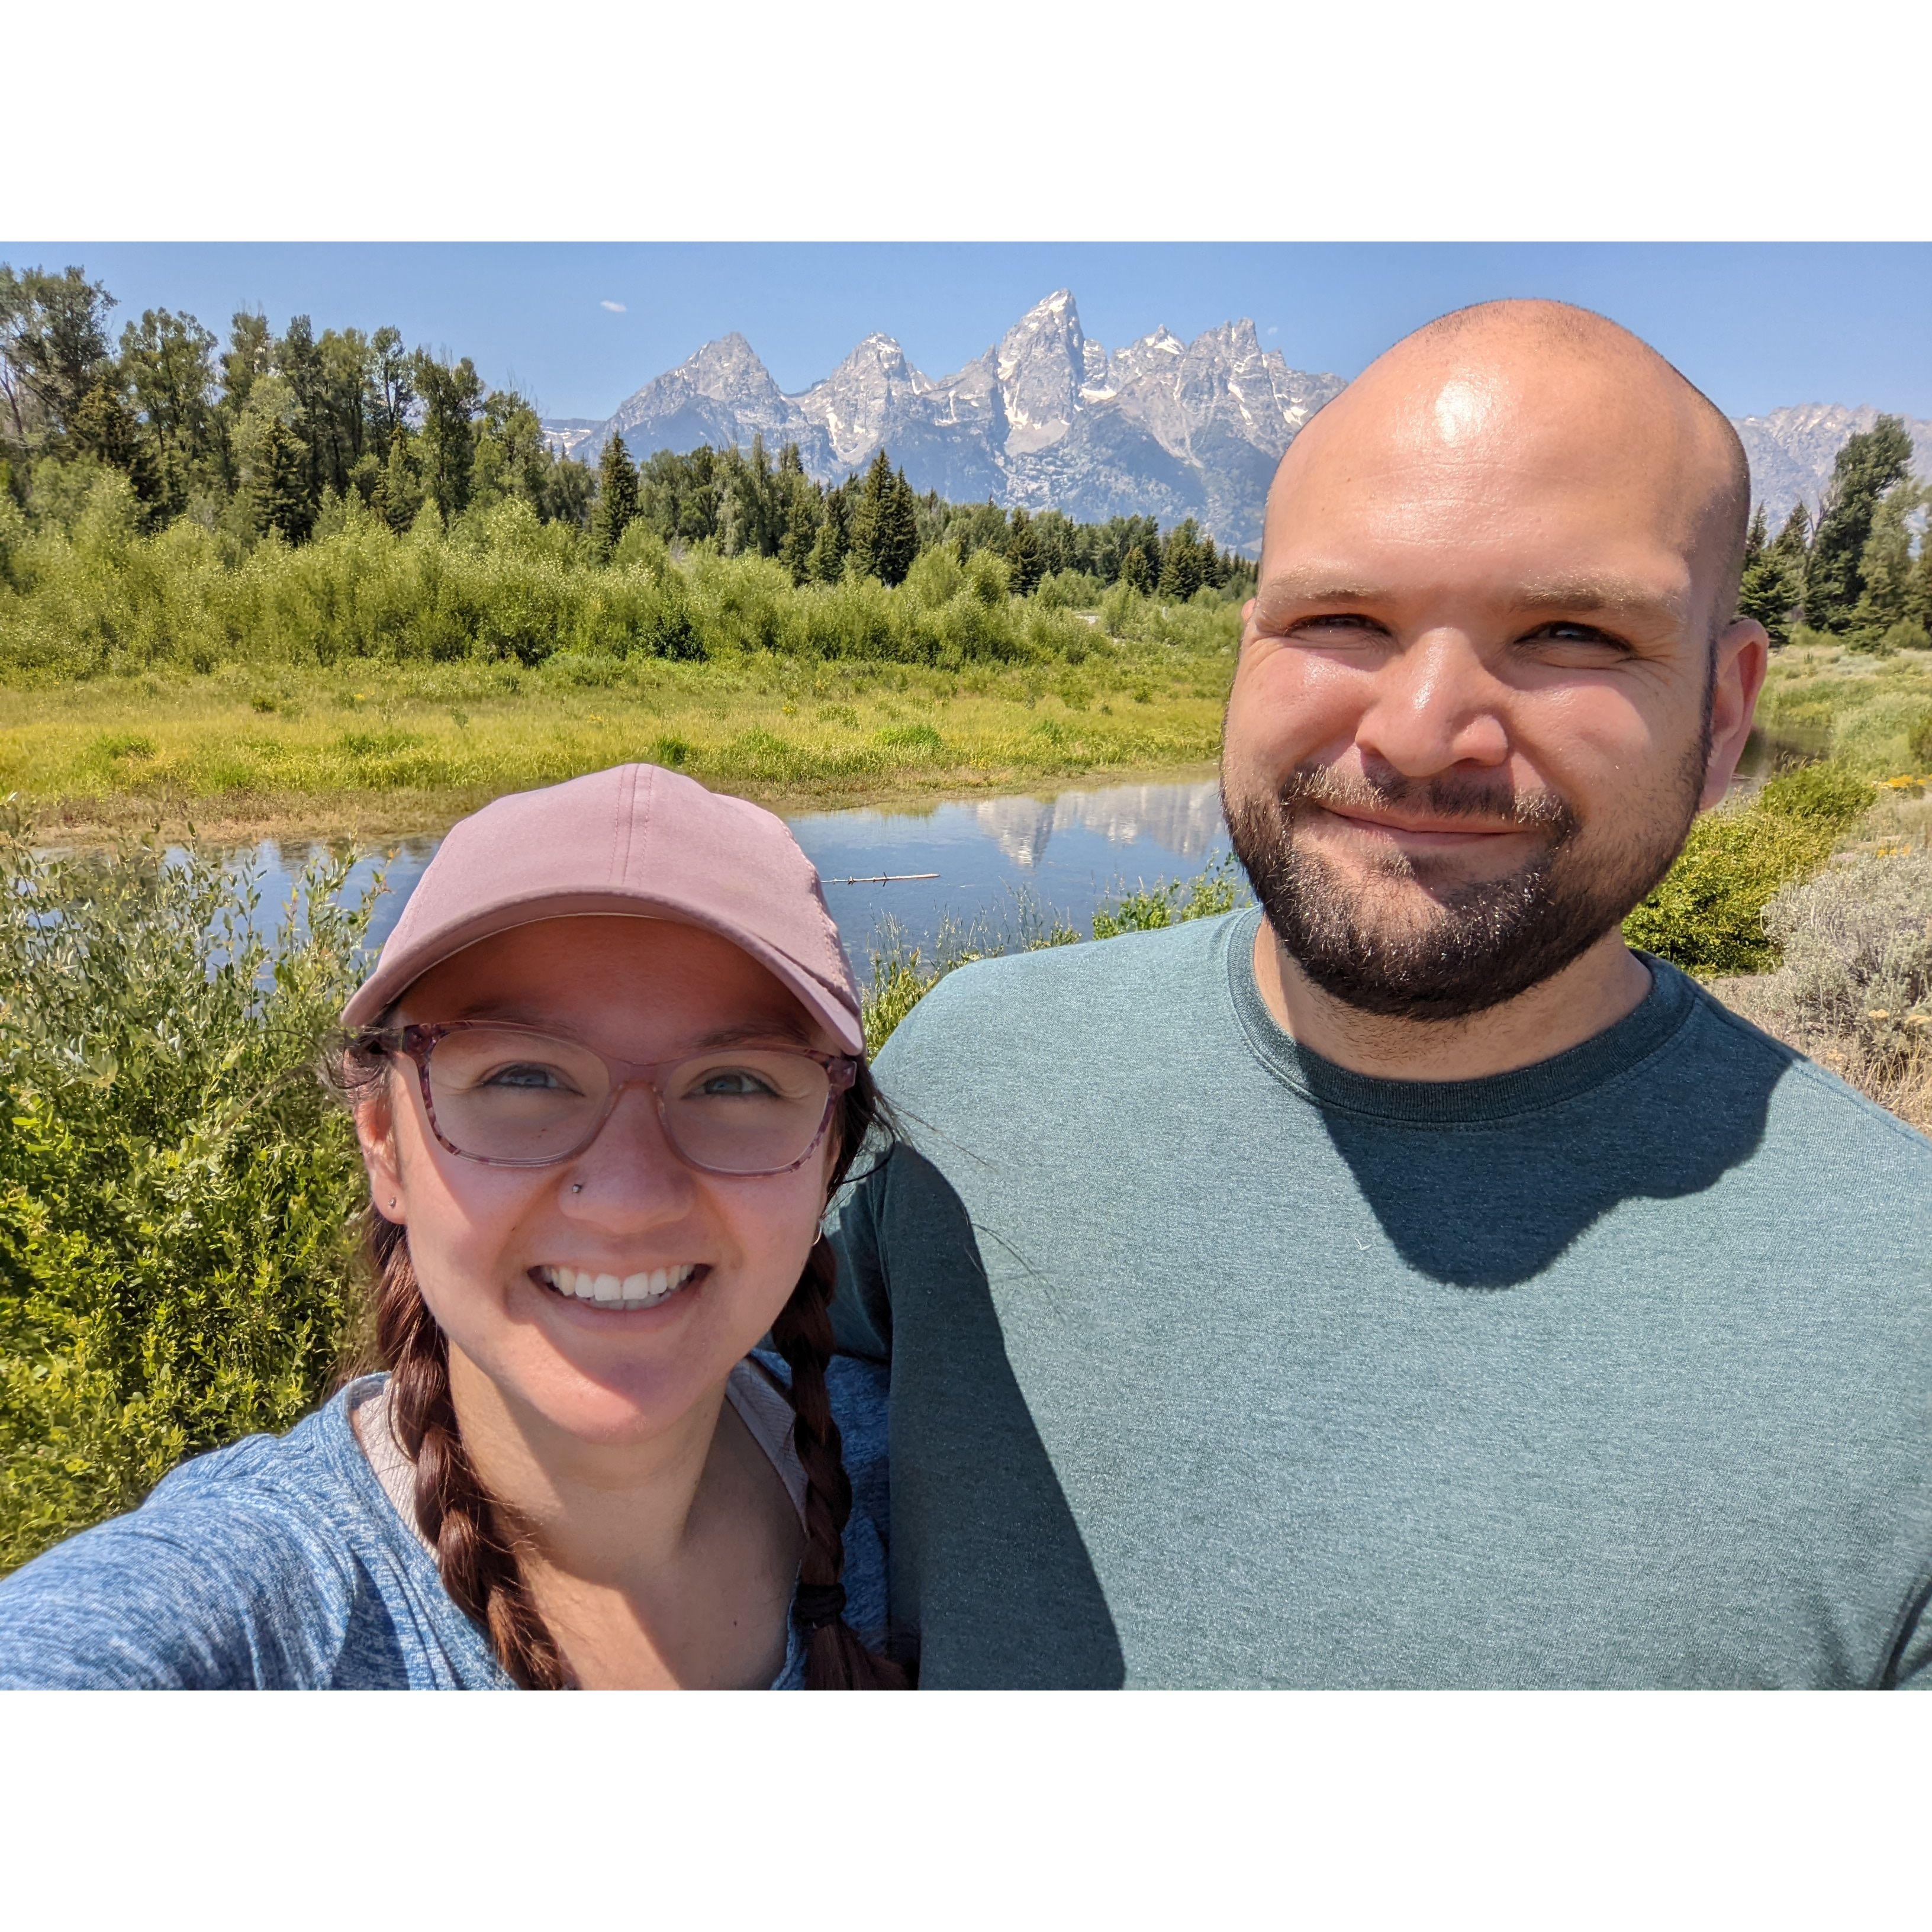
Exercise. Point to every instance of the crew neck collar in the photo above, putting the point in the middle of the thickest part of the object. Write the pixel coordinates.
(1495, 1097)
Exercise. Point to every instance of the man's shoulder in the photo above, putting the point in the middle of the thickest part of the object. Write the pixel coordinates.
(1076, 988)
(1841, 1153)
(1810, 1094)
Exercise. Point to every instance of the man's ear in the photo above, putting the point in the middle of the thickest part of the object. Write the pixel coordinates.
(375, 1133)
(1744, 656)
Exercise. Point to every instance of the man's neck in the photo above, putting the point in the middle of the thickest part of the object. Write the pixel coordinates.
(1589, 995)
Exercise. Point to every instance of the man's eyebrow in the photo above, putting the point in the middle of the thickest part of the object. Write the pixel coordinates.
(1593, 593)
(1314, 586)
(1588, 593)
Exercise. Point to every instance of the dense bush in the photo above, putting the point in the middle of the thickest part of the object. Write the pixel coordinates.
(95, 592)
(1707, 915)
(1819, 794)
(176, 1185)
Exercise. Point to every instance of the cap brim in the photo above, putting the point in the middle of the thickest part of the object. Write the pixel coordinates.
(393, 977)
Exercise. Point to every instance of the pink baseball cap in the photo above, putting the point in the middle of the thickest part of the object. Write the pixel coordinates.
(636, 839)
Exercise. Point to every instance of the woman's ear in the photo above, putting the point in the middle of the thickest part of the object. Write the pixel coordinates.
(376, 1132)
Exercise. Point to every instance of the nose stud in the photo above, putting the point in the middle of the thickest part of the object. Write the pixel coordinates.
(576, 1187)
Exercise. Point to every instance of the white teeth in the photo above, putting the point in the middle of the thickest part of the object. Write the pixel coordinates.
(642, 1290)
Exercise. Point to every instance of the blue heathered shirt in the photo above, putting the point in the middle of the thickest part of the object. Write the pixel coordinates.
(280, 1563)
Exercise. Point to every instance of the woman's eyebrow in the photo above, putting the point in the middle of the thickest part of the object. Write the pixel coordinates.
(751, 1030)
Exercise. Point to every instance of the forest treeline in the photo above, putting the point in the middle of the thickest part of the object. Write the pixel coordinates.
(271, 437)
(1852, 575)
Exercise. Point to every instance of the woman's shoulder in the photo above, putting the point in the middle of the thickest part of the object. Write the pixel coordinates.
(859, 1391)
(266, 1563)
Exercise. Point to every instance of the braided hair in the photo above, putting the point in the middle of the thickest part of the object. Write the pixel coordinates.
(476, 1540)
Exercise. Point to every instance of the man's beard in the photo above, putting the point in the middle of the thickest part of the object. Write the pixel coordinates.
(1489, 939)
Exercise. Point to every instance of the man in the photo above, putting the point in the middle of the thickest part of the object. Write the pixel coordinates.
(1413, 1286)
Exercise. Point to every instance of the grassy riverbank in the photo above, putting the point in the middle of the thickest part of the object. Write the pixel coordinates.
(373, 747)
(1871, 713)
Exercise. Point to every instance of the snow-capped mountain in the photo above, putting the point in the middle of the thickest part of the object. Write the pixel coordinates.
(1048, 418)
(1792, 452)
(1045, 417)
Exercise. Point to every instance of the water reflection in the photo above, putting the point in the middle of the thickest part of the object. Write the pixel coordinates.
(1182, 820)
(997, 859)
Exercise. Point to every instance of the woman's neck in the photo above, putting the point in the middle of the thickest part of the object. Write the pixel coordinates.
(669, 1561)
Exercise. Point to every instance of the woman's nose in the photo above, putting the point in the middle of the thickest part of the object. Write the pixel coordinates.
(631, 1174)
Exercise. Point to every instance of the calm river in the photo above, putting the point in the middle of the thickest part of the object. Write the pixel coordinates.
(999, 861)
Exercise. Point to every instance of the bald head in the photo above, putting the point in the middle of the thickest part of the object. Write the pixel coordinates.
(1514, 409)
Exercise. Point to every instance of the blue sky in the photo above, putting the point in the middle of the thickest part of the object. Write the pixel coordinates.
(1756, 326)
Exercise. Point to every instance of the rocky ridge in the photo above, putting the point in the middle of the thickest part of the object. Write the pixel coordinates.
(1047, 417)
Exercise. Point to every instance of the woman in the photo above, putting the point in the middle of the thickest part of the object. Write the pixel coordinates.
(605, 1077)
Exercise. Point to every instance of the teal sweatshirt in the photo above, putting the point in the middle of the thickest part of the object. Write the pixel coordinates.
(1213, 1364)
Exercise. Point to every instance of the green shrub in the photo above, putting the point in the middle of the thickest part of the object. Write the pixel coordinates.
(1820, 793)
(1707, 914)
(1919, 740)
(176, 1185)
(1169, 902)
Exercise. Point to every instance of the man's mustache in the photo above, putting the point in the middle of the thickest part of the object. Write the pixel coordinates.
(1444, 796)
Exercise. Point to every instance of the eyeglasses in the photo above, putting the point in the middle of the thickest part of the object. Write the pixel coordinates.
(512, 1097)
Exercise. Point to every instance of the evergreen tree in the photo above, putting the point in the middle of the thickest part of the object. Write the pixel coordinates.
(281, 487)
(1757, 536)
(832, 544)
(1180, 564)
(1793, 539)
(1136, 572)
(617, 498)
(885, 523)
(1885, 566)
(1024, 565)
(896, 541)
(1867, 467)
(1768, 588)
(399, 492)
(802, 519)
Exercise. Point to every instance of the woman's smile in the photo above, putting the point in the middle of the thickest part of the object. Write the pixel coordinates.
(647, 1288)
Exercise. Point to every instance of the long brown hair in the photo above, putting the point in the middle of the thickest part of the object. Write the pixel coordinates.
(476, 1542)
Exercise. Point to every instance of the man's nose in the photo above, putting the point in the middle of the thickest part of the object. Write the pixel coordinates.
(630, 1176)
(1434, 704)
